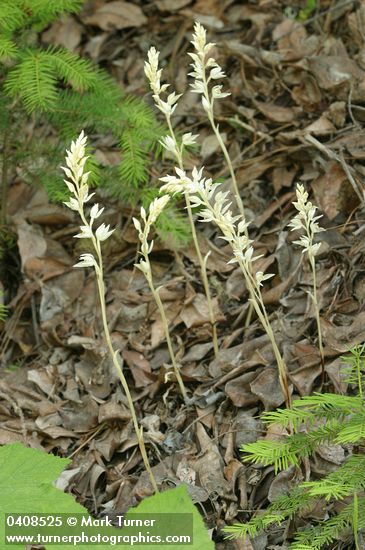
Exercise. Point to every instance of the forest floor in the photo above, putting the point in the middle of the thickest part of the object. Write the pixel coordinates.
(295, 114)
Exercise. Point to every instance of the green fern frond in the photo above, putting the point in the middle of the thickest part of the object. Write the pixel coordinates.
(35, 77)
(353, 431)
(140, 133)
(172, 227)
(354, 369)
(336, 419)
(293, 449)
(8, 49)
(347, 480)
(4, 311)
(331, 529)
(17, 14)
(44, 12)
(72, 69)
(329, 403)
(283, 508)
(310, 409)
(34, 81)
(134, 161)
(12, 16)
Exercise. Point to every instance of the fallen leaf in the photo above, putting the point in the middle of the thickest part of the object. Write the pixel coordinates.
(210, 145)
(117, 15)
(66, 32)
(284, 482)
(197, 312)
(267, 387)
(320, 127)
(239, 390)
(209, 466)
(333, 191)
(176, 5)
(276, 112)
(331, 71)
(343, 338)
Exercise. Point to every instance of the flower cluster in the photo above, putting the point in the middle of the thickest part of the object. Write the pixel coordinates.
(215, 207)
(75, 161)
(167, 107)
(153, 74)
(307, 220)
(77, 184)
(201, 64)
(155, 209)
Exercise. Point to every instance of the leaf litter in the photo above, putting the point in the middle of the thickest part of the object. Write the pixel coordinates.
(295, 114)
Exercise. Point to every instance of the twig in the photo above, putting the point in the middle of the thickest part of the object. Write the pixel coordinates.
(340, 159)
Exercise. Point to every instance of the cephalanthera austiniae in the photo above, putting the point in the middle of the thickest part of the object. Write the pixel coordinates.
(197, 189)
(206, 71)
(155, 209)
(215, 207)
(168, 106)
(77, 184)
(306, 221)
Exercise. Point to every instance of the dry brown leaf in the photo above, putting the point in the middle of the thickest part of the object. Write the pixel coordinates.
(272, 208)
(331, 71)
(54, 432)
(332, 453)
(66, 32)
(139, 367)
(310, 367)
(320, 127)
(197, 312)
(284, 482)
(176, 5)
(210, 145)
(342, 338)
(111, 411)
(293, 41)
(267, 387)
(307, 93)
(333, 191)
(117, 15)
(209, 466)
(239, 390)
(9, 436)
(42, 379)
(282, 176)
(276, 112)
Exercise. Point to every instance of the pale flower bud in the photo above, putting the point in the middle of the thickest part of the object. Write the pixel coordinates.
(87, 260)
(218, 94)
(102, 233)
(72, 203)
(86, 232)
(156, 207)
(260, 277)
(189, 139)
(137, 225)
(216, 72)
(95, 212)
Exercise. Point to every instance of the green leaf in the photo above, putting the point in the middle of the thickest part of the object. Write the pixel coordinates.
(175, 500)
(26, 486)
(26, 477)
